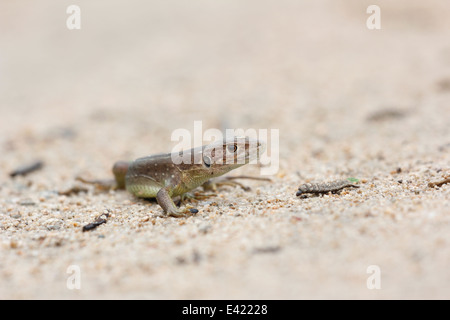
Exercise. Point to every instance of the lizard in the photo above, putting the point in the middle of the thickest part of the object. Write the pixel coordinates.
(169, 175)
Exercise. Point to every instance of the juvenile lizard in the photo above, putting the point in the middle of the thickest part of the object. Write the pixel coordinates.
(165, 176)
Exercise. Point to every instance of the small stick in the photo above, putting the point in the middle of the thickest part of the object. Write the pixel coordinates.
(439, 183)
(26, 169)
(100, 220)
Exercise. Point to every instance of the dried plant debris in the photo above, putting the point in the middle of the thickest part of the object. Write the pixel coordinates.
(397, 171)
(72, 191)
(100, 220)
(268, 249)
(386, 114)
(26, 169)
(439, 183)
(326, 187)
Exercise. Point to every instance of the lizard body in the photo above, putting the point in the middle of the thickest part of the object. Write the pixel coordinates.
(165, 176)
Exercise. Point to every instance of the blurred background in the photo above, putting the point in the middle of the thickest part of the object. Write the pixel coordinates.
(348, 102)
(137, 70)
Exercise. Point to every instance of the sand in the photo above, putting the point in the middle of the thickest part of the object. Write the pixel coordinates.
(347, 102)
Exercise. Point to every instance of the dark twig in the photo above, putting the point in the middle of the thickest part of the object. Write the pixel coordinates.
(100, 220)
(439, 183)
(26, 169)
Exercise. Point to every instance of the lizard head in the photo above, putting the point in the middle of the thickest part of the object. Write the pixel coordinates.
(232, 152)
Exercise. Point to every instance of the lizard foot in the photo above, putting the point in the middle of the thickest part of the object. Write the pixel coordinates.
(180, 213)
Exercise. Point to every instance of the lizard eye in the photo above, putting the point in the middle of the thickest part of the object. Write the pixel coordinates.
(207, 161)
(232, 148)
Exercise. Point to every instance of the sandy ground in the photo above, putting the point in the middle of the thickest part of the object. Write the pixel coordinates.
(347, 101)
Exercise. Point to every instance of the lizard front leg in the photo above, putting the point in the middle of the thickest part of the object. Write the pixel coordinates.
(165, 201)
